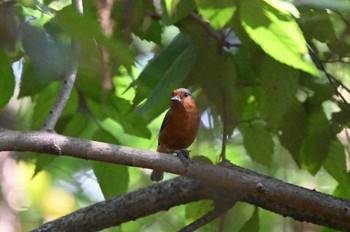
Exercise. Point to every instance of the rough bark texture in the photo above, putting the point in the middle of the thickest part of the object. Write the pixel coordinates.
(269, 193)
(128, 207)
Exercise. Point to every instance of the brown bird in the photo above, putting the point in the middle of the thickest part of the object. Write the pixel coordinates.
(179, 127)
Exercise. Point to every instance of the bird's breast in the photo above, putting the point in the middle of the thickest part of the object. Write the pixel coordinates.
(180, 131)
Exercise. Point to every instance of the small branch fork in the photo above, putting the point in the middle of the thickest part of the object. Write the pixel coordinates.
(260, 190)
(221, 39)
(332, 80)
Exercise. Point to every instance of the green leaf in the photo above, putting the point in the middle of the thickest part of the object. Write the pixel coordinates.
(292, 128)
(258, 142)
(310, 20)
(335, 164)
(195, 210)
(306, 134)
(158, 66)
(30, 83)
(175, 10)
(7, 80)
(118, 109)
(141, 22)
(152, 33)
(322, 90)
(334, 5)
(342, 191)
(76, 125)
(45, 101)
(42, 161)
(315, 147)
(87, 31)
(219, 13)
(252, 224)
(49, 59)
(279, 86)
(112, 178)
(277, 33)
(163, 75)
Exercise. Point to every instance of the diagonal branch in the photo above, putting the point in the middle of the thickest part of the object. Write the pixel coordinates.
(68, 83)
(206, 26)
(117, 210)
(329, 76)
(211, 216)
(61, 101)
(263, 191)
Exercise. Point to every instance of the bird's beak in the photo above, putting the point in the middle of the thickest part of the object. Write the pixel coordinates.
(175, 99)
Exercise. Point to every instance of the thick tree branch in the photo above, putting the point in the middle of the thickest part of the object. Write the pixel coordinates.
(115, 211)
(266, 192)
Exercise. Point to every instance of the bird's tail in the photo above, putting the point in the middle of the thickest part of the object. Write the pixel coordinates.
(157, 175)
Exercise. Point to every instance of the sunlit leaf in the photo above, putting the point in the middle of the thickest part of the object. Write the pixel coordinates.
(277, 33)
(219, 13)
(175, 10)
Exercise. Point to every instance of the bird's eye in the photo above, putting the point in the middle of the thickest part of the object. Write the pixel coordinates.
(187, 94)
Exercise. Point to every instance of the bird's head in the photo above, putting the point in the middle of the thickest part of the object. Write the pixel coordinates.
(182, 97)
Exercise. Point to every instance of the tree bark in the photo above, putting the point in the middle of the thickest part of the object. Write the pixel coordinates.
(266, 192)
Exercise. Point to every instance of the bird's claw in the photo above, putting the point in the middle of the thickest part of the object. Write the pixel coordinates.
(184, 156)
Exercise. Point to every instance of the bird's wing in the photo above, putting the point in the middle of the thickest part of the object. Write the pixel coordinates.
(165, 121)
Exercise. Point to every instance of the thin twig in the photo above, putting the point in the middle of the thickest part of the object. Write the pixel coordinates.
(221, 39)
(329, 76)
(340, 83)
(224, 128)
(207, 218)
(343, 60)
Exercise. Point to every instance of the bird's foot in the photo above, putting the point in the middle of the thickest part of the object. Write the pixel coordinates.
(184, 156)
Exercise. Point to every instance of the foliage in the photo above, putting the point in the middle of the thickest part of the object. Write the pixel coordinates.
(255, 68)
